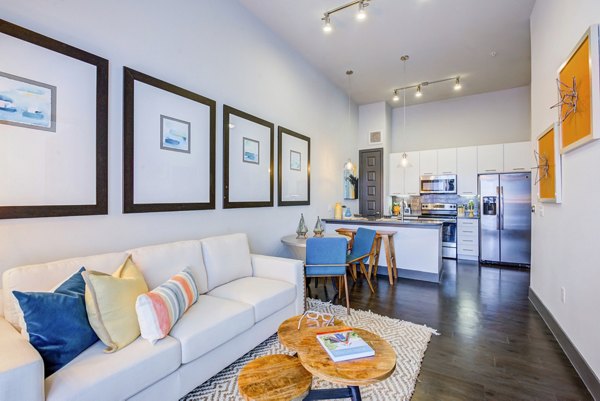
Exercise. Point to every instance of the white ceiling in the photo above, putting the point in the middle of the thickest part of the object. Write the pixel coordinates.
(443, 38)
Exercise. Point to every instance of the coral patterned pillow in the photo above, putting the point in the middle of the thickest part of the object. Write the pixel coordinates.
(159, 309)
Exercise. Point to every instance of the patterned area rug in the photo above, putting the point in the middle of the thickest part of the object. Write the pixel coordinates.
(408, 340)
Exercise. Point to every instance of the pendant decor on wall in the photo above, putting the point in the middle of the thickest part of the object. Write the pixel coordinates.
(248, 160)
(54, 122)
(168, 145)
(549, 171)
(293, 154)
(578, 85)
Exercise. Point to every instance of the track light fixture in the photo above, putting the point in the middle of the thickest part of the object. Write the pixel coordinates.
(419, 86)
(457, 84)
(361, 15)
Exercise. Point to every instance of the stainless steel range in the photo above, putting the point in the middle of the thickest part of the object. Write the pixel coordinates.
(445, 212)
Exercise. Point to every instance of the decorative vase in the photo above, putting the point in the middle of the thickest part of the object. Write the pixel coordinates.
(319, 229)
(301, 230)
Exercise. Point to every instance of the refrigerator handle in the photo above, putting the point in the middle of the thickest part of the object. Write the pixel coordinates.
(502, 208)
(498, 208)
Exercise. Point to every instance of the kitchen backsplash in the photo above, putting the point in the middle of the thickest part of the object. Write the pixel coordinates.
(444, 198)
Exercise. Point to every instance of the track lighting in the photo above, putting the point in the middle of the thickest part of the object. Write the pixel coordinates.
(361, 15)
(327, 24)
(420, 85)
(457, 84)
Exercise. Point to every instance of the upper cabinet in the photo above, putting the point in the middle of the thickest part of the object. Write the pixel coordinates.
(396, 181)
(412, 180)
(517, 157)
(490, 159)
(446, 161)
(428, 162)
(466, 170)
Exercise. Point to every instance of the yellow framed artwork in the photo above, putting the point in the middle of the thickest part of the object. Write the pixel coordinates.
(549, 177)
(579, 93)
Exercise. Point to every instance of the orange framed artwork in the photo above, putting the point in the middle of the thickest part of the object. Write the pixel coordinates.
(579, 91)
(549, 165)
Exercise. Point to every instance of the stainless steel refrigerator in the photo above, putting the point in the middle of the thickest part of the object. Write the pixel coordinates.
(505, 218)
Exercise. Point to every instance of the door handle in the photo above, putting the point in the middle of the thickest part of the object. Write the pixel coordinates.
(498, 208)
(502, 208)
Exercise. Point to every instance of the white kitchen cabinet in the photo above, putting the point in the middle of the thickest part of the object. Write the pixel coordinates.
(490, 159)
(396, 181)
(446, 161)
(428, 162)
(466, 170)
(411, 174)
(467, 239)
(517, 157)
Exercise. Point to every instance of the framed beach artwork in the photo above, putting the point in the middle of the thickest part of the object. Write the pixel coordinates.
(293, 152)
(168, 146)
(54, 122)
(175, 134)
(248, 160)
(578, 84)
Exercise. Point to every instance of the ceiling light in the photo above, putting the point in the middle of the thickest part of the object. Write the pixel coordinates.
(362, 14)
(419, 93)
(457, 84)
(231, 126)
(404, 160)
(327, 24)
(396, 97)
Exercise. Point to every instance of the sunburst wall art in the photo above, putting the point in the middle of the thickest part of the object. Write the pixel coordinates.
(548, 160)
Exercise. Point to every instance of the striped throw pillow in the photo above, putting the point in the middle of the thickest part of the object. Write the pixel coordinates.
(159, 309)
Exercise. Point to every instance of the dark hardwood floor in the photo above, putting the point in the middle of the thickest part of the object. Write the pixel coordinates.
(493, 343)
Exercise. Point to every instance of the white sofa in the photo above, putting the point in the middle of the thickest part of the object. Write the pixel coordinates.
(244, 299)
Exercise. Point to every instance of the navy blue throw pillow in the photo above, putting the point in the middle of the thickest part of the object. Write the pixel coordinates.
(57, 322)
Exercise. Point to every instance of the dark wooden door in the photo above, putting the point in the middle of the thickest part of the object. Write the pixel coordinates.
(370, 194)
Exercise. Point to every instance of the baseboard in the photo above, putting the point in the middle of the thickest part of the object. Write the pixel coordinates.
(412, 275)
(583, 369)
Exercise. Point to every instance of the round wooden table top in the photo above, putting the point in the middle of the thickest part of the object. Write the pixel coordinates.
(290, 336)
(357, 372)
(274, 378)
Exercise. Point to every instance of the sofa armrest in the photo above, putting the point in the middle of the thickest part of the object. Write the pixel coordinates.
(21, 367)
(283, 269)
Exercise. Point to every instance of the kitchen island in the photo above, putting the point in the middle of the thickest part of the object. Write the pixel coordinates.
(418, 244)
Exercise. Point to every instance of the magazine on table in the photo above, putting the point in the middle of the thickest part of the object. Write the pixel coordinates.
(344, 345)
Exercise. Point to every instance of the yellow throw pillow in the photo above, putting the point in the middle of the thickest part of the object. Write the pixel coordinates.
(110, 303)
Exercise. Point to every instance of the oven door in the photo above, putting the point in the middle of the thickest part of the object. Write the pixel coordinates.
(440, 184)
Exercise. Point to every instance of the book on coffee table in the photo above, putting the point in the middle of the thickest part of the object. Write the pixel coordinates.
(344, 345)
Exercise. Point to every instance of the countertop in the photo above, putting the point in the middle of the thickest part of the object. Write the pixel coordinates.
(469, 218)
(386, 222)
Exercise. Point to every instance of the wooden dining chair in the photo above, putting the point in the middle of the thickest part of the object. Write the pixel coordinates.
(363, 250)
(326, 257)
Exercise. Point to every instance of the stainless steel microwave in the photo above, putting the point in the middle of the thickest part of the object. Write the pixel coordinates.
(438, 184)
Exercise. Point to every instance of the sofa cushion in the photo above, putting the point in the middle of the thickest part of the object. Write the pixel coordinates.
(95, 375)
(45, 276)
(159, 310)
(110, 303)
(226, 258)
(56, 322)
(158, 263)
(267, 296)
(209, 323)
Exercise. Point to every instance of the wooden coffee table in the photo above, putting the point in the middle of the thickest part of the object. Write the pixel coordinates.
(290, 336)
(274, 378)
(353, 374)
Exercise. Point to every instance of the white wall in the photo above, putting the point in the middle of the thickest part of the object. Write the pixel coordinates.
(488, 118)
(212, 47)
(565, 241)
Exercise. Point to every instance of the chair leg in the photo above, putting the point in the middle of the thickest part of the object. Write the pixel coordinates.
(352, 269)
(364, 270)
(347, 294)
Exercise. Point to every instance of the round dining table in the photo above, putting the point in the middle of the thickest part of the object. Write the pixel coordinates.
(298, 245)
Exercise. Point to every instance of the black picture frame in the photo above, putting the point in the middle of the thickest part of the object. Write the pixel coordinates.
(100, 206)
(129, 206)
(228, 111)
(281, 169)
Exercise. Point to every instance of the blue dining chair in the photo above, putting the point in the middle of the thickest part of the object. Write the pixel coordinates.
(362, 250)
(326, 257)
